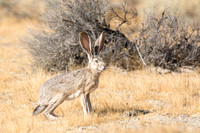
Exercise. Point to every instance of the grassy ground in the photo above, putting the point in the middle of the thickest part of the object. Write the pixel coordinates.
(119, 92)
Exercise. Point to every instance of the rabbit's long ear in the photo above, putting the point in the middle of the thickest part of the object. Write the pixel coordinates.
(99, 43)
(85, 42)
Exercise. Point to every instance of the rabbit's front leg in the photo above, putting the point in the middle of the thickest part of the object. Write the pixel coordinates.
(88, 103)
(85, 101)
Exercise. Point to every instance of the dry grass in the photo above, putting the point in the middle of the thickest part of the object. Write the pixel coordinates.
(179, 91)
(118, 92)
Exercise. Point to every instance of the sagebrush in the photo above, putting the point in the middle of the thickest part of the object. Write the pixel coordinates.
(169, 41)
(164, 40)
(56, 47)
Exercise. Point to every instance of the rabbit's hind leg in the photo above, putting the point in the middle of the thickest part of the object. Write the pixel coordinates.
(57, 100)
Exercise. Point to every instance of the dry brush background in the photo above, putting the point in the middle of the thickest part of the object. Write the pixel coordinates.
(137, 101)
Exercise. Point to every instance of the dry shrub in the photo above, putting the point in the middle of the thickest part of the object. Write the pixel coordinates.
(56, 47)
(169, 41)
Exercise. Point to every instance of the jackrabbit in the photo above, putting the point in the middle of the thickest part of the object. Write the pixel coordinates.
(68, 86)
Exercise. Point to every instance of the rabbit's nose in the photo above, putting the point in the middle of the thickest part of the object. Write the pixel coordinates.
(104, 68)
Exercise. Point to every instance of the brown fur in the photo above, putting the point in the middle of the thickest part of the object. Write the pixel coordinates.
(68, 86)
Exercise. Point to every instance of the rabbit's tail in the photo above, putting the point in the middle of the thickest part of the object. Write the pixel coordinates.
(39, 109)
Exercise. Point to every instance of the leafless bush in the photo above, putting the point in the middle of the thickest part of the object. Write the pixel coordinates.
(55, 47)
(169, 41)
(165, 41)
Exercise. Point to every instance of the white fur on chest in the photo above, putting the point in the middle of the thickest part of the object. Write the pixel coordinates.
(75, 95)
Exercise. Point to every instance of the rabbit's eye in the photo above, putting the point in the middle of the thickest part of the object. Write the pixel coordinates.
(96, 61)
